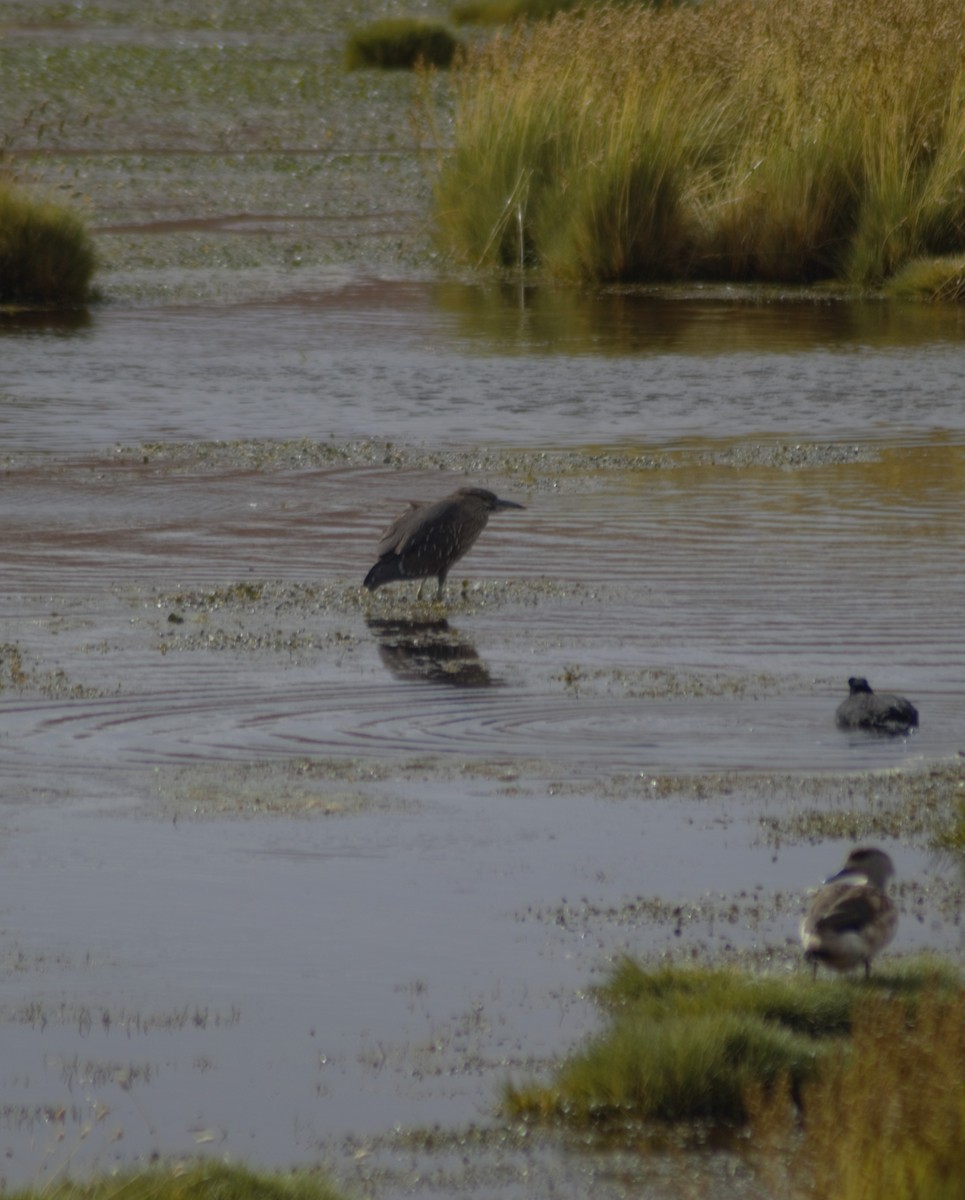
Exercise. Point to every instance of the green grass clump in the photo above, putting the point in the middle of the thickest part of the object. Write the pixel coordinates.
(693, 1068)
(730, 140)
(935, 280)
(884, 1122)
(201, 1181)
(401, 42)
(819, 1008)
(46, 253)
(700, 1045)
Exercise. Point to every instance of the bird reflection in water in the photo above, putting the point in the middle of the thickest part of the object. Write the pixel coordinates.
(430, 650)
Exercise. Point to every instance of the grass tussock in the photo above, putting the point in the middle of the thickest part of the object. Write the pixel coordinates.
(935, 280)
(201, 1181)
(701, 1045)
(46, 253)
(886, 1121)
(730, 140)
(401, 42)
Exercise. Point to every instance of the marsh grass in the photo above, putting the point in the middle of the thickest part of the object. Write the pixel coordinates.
(46, 253)
(401, 42)
(694, 1068)
(700, 1045)
(884, 1122)
(950, 838)
(937, 280)
(200, 1181)
(503, 12)
(731, 140)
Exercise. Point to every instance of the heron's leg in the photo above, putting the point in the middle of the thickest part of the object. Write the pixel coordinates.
(418, 594)
(442, 586)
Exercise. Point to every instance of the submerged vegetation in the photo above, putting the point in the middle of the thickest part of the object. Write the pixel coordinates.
(686, 1044)
(202, 1181)
(401, 42)
(730, 140)
(951, 837)
(46, 253)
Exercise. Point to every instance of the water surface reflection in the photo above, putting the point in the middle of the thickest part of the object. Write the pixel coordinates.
(17, 321)
(535, 320)
(429, 649)
(449, 364)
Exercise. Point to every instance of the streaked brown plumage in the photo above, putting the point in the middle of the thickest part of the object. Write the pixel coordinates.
(429, 538)
(851, 917)
(880, 712)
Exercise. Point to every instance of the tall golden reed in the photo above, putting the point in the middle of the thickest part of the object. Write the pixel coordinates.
(737, 139)
(885, 1121)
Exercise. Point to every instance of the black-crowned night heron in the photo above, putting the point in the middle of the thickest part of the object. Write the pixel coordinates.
(877, 711)
(428, 539)
(851, 918)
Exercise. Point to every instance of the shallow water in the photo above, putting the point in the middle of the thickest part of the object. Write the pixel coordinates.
(448, 363)
(700, 619)
(261, 987)
(283, 871)
(283, 864)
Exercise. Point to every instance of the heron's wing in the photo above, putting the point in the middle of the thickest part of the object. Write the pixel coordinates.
(394, 536)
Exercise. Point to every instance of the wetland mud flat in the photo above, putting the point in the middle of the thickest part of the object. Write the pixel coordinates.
(296, 875)
(293, 873)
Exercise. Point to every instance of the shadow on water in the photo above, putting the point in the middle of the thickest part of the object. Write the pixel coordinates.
(429, 650)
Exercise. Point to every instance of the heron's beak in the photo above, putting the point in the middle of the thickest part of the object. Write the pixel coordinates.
(507, 504)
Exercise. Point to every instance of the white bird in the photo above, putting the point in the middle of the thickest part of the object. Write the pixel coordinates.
(851, 917)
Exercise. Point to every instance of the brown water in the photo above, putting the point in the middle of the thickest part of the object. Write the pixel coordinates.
(283, 864)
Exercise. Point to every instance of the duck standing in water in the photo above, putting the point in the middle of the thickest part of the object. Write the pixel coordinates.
(881, 712)
(851, 917)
